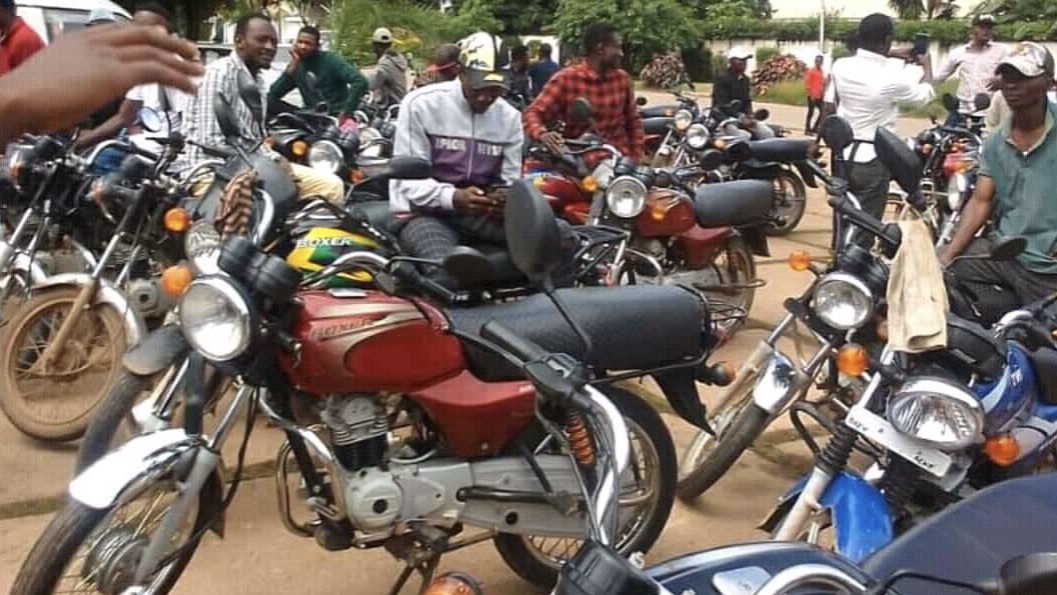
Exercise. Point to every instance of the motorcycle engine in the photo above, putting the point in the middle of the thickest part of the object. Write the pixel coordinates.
(359, 431)
(146, 296)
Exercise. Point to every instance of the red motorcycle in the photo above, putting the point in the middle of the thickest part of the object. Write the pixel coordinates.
(704, 237)
(405, 421)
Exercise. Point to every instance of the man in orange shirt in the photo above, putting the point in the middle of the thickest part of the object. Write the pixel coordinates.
(17, 41)
(815, 83)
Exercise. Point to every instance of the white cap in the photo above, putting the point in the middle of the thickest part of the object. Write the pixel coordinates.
(739, 53)
(382, 35)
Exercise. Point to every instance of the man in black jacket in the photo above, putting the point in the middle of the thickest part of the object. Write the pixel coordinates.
(734, 84)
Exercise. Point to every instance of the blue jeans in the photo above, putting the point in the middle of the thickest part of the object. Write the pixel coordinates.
(108, 160)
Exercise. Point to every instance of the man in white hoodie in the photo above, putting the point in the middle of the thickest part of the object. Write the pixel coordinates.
(474, 141)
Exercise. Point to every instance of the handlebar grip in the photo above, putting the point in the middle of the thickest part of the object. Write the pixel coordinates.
(508, 340)
(888, 233)
(409, 274)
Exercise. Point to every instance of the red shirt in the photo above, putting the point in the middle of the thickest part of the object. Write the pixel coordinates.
(18, 45)
(814, 82)
(614, 115)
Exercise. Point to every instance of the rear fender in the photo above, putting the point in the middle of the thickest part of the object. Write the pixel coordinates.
(107, 294)
(756, 238)
(680, 389)
(158, 350)
(123, 472)
(862, 520)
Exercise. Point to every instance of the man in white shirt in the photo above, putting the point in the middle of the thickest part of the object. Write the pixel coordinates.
(169, 103)
(867, 89)
(974, 63)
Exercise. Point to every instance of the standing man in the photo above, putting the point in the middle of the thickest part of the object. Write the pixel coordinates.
(867, 89)
(600, 80)
(445, 66)
(168, 103)
(319, 77)
(733, 84)
(518, 77)
(543, 69)
(17, 41)
(815, 85)
(974, 63)
(389, 82)
(255, 46)
(1015, 188)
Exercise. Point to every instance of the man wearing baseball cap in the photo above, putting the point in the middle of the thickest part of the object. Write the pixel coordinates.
(475, 149)
(1015, 187)
(389, 82)
(974, 63)
(733, 85)
(17, 40)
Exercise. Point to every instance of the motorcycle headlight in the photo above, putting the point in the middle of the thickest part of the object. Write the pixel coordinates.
(937, 412)
(215, 318)
(325, 156)
(14, 162)
(369, 142)
(202, 247)
(683, 119)
(697, 137)
(626, 197)
(843, 301)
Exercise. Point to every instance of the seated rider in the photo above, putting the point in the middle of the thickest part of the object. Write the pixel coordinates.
(1014, 188)
(475, 150)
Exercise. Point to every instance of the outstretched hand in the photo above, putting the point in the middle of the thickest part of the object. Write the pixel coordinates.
(83, 71)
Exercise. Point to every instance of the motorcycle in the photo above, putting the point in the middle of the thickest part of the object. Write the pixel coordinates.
(405, 472)
(993, 535)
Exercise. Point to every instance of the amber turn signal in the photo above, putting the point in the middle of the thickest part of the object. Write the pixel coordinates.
(799, 260)
(175, 279)
(177, 220)
(453, 583)
(1003, 450)
(356, 176)
(852, 360)
(589, 184)
(299, 148)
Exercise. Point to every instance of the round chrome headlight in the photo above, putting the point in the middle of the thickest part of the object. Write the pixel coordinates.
(683, 119)
(202, 247)
(215, 318)
(843, 301)
(370, 142)
(697, 137)
(325, 156)
(626, 197)
(937, 412)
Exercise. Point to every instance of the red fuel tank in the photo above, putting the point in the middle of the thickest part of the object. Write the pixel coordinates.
(368, 342)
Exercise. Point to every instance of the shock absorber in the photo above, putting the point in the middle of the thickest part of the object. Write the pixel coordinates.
(898, 484)
(580, 440)
(834, 457)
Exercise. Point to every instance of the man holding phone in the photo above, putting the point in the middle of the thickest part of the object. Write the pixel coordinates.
(975, 63)
(867, 89)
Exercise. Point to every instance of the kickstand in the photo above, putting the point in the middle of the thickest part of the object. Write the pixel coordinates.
(426, 568)
(421, 551)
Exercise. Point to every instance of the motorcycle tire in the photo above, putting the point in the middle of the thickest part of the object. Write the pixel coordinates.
(112, 413)
(525, 560)
(75, 526)
(14, 401)
(697, 475)
(793, 212)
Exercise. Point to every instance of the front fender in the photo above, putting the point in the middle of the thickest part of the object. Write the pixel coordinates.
(862, 520)
(27, 267)
(158, 350)
(108, 294)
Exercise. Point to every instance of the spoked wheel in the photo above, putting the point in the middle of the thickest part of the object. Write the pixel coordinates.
(790, 202)
(85, 550)
(54, 402)
(113, 423)
(647, 495)
(730, 282)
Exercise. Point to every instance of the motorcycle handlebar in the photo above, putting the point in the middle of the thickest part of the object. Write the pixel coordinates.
(889, 234)
(508, 340)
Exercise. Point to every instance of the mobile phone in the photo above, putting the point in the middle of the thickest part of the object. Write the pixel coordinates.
(921, 44)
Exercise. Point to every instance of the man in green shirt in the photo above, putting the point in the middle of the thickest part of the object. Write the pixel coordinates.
(1016, 188)
(320, 77)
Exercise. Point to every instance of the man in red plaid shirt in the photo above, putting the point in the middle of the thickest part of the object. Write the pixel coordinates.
(600, 80)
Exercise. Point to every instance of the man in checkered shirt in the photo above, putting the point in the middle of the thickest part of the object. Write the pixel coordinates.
(600, 80)
(255, 47)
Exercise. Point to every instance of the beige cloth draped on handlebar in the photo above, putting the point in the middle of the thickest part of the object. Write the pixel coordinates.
(917, 294)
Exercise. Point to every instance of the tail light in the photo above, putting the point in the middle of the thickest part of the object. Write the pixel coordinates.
(955, 163)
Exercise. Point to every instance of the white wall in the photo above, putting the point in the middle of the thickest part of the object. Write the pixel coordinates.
(851, 9)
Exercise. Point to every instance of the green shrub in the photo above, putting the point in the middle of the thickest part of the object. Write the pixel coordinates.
(785, 92)
(934, 107)
(764, 54)
(719, 63)
(947, 32)
(698, 62)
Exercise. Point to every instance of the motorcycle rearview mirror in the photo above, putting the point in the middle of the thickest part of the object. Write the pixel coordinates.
(761, 114)
(950, 102)
(226, 117)
(1008, 248)
(469, 267)
(641, 101)
(900, 159)
(409, 168)
(837, 133)
(149, 119)
(580, 111)
(981, 102)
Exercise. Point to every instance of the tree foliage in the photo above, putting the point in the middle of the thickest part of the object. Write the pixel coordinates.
(647, 26)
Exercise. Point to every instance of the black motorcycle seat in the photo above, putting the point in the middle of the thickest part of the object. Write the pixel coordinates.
(659, 111)
(970, 540)
(741, 202)
(631, 328)
(376, 212)
(783, 150)
(658, 125)
(1045, 363)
